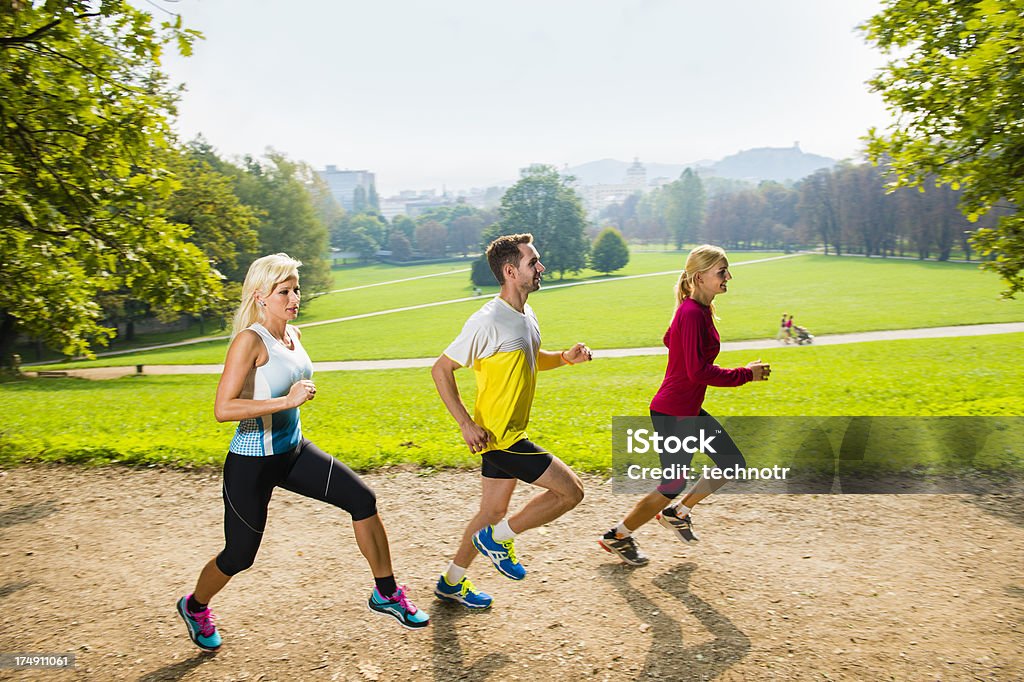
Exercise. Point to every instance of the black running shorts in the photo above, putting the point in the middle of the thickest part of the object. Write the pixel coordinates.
(523, 459)
(726, 456)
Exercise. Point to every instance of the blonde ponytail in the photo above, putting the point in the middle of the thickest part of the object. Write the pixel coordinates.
(684, 287)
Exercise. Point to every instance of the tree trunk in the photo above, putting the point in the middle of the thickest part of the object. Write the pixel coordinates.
(7, 337)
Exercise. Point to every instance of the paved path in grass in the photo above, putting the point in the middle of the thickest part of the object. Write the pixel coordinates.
(753, 345)
(433, 304)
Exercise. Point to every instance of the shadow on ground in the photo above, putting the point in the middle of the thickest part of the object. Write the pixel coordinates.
(176, 671)
(27, 513)
(448, 658)
(669, 656)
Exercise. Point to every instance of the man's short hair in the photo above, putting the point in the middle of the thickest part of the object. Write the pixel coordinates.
(505, 249)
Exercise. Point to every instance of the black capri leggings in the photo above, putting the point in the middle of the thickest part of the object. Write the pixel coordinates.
(249, 483)
(726, 456)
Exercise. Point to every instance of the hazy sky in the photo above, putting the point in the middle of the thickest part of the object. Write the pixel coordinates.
(463, 93)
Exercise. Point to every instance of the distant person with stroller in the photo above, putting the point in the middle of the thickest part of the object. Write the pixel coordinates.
(802, 335)
(693, 344)
(781, 335)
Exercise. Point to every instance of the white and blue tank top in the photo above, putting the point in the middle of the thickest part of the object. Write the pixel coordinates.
(278, 433)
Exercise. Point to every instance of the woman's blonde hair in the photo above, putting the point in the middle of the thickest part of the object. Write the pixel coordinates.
(264, 274)
(701, 259)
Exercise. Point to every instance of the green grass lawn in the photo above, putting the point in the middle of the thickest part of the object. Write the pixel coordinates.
(445, 287)
(372, 419)
(828, 295)
(445, 283)
(377, 273)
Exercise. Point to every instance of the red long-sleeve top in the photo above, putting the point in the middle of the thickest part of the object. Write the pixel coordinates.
(693, 344)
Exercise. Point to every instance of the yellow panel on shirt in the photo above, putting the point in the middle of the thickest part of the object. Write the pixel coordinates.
(501, 345)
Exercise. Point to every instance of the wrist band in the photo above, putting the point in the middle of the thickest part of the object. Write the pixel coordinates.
(567, 359)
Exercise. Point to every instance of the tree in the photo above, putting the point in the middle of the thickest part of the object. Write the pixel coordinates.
(955, 83)
(221, 226)
(481, 274)
(623, 216)
(543, 204)
(360, 203)
(864, 210)
(685, 207)
(328, 211)
(372, 198)
(405, 225)
(400, 247)
(372, 225)
(431, 238)
(651, 225)
(84, 111)
(610, 252)
(362, 242)
(819, 208)
(288, 222)
(464, 233)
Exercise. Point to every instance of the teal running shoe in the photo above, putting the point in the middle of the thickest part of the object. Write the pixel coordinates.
(464, 592)
(400, 608)
(201, 629)
(501, 554)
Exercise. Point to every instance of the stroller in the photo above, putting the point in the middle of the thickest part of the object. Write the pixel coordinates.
(802, 336)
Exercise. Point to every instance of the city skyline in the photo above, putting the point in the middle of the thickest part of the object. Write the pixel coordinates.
(458, 95)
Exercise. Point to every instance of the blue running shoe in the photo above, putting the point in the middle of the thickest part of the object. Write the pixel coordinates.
(201, 629)
(464, 592)
(501, 554)
(400, 608)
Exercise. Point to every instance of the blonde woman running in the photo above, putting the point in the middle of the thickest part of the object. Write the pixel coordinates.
(693, 344)
(267, 377)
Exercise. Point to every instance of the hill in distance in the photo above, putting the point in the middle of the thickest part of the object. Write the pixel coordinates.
(754, 165)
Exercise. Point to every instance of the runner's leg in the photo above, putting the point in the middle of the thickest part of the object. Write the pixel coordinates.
(320, 476)
(727, 456)
(646, 509)
(495, 494)
(563, 491)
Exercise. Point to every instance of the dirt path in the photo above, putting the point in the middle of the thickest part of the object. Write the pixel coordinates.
(405, 363)
(912, 587)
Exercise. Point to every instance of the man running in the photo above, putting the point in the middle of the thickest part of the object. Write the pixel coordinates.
(501, 342)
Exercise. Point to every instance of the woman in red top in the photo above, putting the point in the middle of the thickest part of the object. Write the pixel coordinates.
(693, 344)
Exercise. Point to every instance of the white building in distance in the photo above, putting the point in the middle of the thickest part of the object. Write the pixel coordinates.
(343, 184)
(597, 197)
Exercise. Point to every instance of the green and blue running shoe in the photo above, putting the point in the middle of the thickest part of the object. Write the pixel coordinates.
(464, 592)
(201, 629)
(400, 608)
(501, 554)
